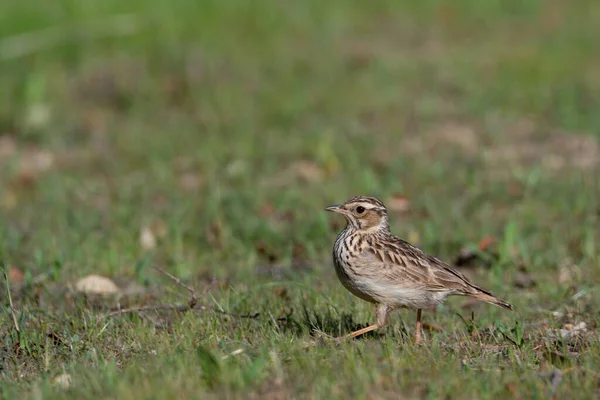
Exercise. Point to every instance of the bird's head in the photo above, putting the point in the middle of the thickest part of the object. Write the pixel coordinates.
(363, 213)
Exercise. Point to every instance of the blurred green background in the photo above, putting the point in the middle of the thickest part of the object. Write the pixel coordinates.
(207, 137)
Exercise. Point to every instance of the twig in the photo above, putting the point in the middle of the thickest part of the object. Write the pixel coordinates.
(179, 308)
(156, 307)
(10, 302)
(248, 315)
(193, 298)
(191, 304)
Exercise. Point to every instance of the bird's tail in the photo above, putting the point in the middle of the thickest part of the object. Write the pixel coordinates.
(488, 298)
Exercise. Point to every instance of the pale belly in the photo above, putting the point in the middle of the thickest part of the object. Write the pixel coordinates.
(394, 296)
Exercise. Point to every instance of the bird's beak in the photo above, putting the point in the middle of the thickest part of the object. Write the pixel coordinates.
(335, 209)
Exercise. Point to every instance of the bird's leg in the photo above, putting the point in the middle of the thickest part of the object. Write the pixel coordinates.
(363, 331)
(418, 327)
(381, 312)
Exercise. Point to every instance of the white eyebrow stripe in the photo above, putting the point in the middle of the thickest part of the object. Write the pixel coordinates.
(368, 206)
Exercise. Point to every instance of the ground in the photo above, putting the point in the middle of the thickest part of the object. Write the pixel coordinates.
(203, 140)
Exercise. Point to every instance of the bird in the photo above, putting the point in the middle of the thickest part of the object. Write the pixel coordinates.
(389, 272)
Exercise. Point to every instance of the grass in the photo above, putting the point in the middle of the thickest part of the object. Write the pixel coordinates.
(224, 128)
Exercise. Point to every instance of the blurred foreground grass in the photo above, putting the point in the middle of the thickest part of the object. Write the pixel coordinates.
(207, 137)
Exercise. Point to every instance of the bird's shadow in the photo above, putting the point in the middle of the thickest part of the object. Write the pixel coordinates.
(335, 324)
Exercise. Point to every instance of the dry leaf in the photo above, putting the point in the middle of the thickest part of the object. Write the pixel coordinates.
(570, 330)
(24, 180)
(485, 243)
(469, 257)
(15, 275)
(398, 203)
(147, 239)
(96, 284)
(281, 291)
(511, 388)
(31, 163)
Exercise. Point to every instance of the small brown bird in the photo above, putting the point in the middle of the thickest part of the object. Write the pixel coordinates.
(385, 270)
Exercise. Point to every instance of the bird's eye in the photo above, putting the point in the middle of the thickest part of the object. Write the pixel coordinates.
(360, 209)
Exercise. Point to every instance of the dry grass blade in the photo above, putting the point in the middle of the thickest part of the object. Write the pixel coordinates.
(10, 302)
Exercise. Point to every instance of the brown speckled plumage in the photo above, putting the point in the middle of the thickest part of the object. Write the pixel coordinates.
(385, 270)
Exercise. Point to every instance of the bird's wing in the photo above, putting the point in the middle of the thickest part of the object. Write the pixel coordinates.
(400, 263)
